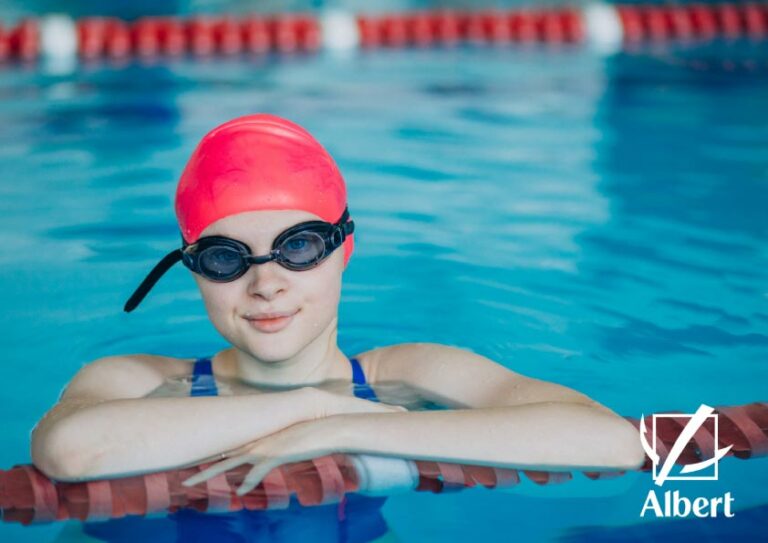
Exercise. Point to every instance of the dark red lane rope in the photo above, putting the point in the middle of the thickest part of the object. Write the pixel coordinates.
(26, 495)
(694, 21)
(105, 37)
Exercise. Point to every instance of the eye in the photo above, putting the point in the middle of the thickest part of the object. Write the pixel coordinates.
(303, 247)
(220, 261)
(296, 244)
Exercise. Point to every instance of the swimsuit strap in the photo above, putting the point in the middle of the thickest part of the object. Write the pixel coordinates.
(360, 387)
(203, 381)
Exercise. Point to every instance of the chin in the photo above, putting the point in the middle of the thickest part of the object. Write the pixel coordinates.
(272, 348)
(276, 347)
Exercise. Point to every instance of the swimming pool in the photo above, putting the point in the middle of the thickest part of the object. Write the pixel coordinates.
(598, 222)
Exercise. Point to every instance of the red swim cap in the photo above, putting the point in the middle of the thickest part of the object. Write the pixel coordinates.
(257, 163)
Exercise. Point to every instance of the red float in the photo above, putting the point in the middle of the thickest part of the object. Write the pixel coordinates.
(27, 496)
(98, 37)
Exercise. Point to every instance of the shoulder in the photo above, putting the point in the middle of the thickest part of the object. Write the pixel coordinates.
(124, 376)
(418, 362)
(399, 350)
(461, 378)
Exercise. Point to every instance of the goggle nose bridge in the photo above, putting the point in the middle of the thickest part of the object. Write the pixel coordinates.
(251, 259)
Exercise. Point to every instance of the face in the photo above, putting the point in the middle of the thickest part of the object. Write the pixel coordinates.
(310, 297)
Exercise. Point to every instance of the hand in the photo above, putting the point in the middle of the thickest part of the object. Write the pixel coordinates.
(301, 441)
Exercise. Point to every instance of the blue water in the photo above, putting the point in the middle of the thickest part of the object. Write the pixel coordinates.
(598, 222)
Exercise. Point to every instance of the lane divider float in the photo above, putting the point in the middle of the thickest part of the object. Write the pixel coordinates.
(605, 26)
(28, 496)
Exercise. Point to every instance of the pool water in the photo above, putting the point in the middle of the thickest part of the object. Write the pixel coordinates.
(598, 222)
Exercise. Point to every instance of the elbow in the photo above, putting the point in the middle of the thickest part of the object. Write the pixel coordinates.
(60, 454)
(626, 452)
(613, 443)
(636, 457)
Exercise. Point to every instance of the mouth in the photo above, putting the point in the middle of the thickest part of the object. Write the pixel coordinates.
(270, 322)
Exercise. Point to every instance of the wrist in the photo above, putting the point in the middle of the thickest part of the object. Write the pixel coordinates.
(331, 433)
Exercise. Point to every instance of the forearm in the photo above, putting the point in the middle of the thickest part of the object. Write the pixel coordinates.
(547, 436)
(121, 437)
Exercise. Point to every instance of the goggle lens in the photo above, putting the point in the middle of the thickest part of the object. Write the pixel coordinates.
(221, 263)
(303, 249)
(299, 251)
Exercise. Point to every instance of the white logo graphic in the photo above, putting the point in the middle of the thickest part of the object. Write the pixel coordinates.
(695, 422)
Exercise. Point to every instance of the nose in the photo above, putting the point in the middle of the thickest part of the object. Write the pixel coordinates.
(266, 281)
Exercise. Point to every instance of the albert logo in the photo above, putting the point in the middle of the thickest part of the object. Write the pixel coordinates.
(674, 504)
(695, 422)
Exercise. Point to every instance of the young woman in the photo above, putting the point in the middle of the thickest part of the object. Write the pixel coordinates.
(267, 234)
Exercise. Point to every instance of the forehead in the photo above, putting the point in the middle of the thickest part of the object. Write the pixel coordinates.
(253, 225)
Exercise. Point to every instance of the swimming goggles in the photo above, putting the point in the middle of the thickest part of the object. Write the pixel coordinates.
(220, 259)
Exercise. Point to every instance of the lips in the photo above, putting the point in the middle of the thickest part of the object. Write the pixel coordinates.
(264, 316)
(270, 322)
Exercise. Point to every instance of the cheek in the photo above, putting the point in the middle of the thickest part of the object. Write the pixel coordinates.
(322, 291)
(219, 300)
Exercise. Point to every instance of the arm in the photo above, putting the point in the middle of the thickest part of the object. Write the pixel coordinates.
(545, 436)
(102, 426)
(513, 421)
(512, 415)
(549, 436)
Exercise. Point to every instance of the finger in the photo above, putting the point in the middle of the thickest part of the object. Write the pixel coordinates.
(212, 471)
(254, 477)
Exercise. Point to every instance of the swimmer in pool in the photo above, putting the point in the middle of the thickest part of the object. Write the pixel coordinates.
(267, 235)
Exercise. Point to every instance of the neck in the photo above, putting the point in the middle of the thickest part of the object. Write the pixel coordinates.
(321, 360)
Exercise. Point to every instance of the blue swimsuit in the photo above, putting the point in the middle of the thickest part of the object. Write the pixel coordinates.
(362, 519)
(204, 383)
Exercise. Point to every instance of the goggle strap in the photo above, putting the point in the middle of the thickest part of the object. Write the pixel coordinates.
(149, 281)
(347, 226)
